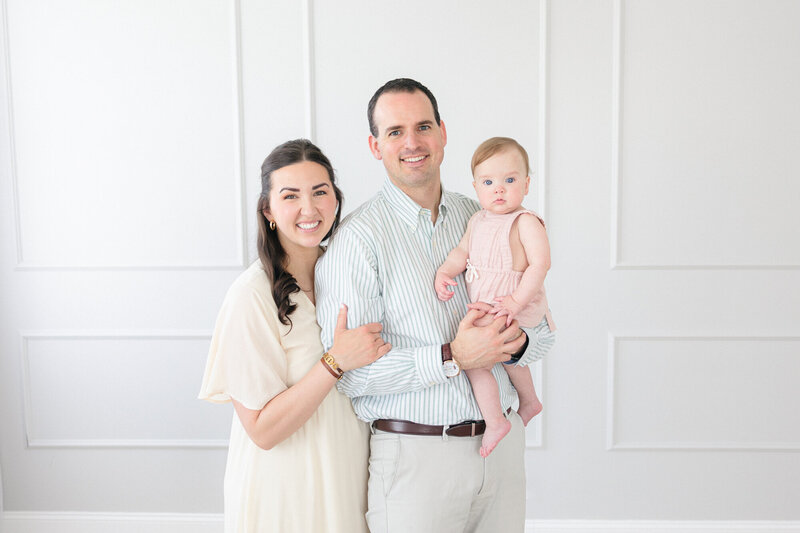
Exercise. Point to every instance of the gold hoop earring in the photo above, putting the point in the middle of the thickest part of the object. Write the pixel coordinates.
(272, 225)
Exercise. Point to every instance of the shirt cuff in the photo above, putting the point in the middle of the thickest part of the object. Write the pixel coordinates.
(517, 356)
(429, 366)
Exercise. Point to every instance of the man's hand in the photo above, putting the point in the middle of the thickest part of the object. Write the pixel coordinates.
(481, 346)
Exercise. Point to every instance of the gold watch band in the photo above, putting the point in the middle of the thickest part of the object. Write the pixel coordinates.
(330, 363)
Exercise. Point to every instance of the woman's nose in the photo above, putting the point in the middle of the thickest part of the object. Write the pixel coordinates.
(307, 205)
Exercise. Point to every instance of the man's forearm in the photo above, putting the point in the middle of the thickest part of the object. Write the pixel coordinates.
(400, 370)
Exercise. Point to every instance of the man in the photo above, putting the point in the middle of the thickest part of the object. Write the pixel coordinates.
(426, 473)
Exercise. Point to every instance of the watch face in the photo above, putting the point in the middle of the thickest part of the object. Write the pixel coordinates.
(451, 368)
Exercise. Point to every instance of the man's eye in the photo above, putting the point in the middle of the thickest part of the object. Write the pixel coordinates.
(509, 180)
(424, 128)
(394, 133)
(487, 182)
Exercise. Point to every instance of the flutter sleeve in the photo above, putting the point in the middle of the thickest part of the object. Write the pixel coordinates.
(246, 360)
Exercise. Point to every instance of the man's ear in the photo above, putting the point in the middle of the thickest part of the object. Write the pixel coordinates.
(374, 148)
(444, 132)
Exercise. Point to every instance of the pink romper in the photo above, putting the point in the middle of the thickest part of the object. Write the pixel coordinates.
(489, 274)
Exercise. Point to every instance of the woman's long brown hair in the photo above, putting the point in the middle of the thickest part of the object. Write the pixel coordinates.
(273, 256)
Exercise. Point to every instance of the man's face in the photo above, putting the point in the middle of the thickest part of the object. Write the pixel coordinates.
(409, 142)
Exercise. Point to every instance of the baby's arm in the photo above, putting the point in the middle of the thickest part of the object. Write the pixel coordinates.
(534, 241)
(454, 265)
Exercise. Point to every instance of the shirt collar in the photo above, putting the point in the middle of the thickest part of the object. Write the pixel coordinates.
(404, 207)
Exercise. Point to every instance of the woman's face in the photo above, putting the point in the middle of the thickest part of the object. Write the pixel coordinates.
(302, 204)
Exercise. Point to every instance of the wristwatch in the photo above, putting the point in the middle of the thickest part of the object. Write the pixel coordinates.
(449, 365)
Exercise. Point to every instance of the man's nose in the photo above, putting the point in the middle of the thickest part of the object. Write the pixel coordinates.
(412, 140)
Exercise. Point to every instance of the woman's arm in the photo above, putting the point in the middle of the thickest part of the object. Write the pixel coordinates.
(288, 411)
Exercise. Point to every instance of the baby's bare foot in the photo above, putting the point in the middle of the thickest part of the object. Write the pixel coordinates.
(528, 410)
(493, 435)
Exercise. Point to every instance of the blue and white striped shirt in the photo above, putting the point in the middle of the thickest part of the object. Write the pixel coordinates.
(381, 263)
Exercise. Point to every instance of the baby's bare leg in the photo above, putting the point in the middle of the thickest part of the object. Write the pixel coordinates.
(484, 387)
(529, 404)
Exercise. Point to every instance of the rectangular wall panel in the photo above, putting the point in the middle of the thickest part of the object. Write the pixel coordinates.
(135, 390)
(704, 392)
(480, 60)
(705, 143)
(126, 133)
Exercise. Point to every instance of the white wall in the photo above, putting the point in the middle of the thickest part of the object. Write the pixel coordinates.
(663, 135)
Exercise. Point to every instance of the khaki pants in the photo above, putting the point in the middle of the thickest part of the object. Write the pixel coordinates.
(442, 484)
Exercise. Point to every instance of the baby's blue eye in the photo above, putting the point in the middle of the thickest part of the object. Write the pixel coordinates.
(509, 180)
(487, 182)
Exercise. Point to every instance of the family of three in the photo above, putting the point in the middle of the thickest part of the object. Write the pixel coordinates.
(344, 365)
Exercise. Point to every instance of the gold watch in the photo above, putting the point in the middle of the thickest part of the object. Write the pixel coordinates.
(330, 362)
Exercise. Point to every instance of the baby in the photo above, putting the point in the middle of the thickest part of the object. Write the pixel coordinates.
(506, 255)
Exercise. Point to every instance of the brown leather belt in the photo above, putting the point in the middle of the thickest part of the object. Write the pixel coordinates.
(464, 429)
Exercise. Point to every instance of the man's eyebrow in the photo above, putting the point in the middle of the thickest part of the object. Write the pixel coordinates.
(427, 122)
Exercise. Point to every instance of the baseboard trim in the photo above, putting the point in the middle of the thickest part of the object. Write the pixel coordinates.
(78, 522)
(662, 526)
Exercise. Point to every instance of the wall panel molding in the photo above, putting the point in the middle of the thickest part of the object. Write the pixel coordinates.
(10, 114)
(70, 335)
(544, 127)
(309, 78)
(612, 442)
(617, 68)
(241, 237)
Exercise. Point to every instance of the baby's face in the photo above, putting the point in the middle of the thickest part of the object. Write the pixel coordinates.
(501, 182)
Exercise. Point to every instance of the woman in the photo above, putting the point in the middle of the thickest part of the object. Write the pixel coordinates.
(297, 460)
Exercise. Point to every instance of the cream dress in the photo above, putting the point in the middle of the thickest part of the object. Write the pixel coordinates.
(315, 480)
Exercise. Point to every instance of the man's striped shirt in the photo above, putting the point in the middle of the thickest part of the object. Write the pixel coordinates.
(381, 263)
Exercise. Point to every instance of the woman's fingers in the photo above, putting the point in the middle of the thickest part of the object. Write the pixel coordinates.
(341, 319)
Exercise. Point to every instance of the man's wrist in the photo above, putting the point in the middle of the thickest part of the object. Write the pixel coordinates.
(450, 366)
(518, 355)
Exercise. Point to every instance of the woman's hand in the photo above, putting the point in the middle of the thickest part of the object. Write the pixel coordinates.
(442, 284)
(354, 348)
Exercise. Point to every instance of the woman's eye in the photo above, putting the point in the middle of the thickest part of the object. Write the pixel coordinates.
(320, 193)
(290, 197)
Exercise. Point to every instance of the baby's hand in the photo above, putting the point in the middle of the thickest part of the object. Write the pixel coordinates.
(508, 307)
(442, 284)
